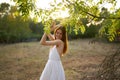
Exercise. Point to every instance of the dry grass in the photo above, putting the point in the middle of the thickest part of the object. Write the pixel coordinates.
(25, 61)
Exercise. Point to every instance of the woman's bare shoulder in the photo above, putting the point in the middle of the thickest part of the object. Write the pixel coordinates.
(59, 41)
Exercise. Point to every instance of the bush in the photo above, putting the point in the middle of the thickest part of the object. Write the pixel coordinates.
(90, 32)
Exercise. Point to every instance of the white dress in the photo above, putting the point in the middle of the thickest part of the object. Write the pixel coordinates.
(53, 69)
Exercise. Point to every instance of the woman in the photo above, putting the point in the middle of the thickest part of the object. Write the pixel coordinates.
(54, 69)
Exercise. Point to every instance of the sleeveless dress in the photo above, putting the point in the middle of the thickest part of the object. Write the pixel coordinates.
(53, 69)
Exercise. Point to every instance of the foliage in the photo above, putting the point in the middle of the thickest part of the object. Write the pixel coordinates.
(77, 9)
(13, 30)
(110, 27)
(4, 7)
(90, 32)
(25, 7)
(12, 27)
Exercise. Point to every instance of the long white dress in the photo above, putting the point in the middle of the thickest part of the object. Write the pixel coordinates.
(53, 69)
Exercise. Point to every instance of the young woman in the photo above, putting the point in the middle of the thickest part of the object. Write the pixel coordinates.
(54, 69)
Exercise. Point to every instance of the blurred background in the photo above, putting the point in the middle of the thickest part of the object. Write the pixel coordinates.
(93, 28)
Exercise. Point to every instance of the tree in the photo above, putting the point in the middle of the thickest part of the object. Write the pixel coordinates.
(77, 9)
(12, 27)
(4, 8)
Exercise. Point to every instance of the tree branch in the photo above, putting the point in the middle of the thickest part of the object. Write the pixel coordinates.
(100, 16)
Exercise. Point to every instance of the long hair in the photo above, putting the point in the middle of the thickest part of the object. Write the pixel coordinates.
(64, 37)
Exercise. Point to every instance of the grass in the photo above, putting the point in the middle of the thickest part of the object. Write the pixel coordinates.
(25, 61)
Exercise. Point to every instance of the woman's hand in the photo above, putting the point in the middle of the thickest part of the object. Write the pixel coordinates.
(53, 26)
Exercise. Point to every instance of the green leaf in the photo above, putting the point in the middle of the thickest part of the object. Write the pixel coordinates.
(82, 28)
(76, 31)
(59, 4)
(55, 1)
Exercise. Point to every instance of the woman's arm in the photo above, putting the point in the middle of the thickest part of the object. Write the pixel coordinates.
(49, 43)
(43, 39)
(51, 37)
(52, 28)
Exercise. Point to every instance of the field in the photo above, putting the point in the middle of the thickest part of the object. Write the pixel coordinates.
(25, 61)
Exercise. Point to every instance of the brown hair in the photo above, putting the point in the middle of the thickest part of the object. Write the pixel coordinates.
(64, 37)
